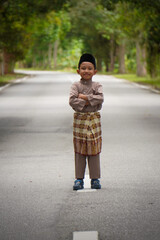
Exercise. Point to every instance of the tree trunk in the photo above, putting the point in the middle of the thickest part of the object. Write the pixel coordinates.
(112, 54)
(107, 67)
(153, 67)
(153, 60)
(121, 58)
(49, 55)
(141, 59)
(55, 52)
(8, 63)
(99, 63)
(34, 62)
(1, 63)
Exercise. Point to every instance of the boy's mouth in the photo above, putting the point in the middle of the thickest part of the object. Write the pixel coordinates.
(86, 74)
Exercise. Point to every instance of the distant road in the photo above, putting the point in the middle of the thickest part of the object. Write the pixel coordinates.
(37, 162)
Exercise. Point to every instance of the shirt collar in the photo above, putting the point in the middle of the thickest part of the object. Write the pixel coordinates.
(86, 82)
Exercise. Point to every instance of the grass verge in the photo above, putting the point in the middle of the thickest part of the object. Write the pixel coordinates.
(154, 83)
(7, 78)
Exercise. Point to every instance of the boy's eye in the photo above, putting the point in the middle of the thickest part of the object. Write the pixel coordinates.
(84, 68)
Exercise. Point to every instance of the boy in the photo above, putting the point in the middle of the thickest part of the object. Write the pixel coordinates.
(86, 98)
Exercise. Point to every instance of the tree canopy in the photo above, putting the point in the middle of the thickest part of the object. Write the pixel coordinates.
(124, 35)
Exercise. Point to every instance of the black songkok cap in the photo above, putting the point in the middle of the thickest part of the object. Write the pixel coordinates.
(87, 57)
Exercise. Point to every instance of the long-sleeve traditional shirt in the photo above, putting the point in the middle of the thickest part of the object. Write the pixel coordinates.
(93, 91)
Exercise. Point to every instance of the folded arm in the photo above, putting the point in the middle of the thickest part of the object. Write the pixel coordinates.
(96, 97)
(76, 100)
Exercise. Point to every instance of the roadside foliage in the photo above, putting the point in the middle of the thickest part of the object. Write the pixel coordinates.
(123, 35)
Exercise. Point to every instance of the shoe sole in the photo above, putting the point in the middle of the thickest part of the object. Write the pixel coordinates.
(77, 188)
(98, 187)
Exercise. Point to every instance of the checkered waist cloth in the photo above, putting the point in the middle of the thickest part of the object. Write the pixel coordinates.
(87, 137)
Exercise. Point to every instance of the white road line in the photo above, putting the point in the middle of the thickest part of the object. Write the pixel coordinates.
(5, 86)
(87, 185)
(13, 82)
(88, 235)
(146, 87)
(86, 190)
(87, 181)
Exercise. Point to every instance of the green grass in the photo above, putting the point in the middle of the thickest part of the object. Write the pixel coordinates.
(7, 78)
(154, 83)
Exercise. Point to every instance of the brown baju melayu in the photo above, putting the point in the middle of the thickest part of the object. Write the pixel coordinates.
(87, 126)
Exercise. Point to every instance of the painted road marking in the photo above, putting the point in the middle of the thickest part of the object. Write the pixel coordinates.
(12, 82)
(90, 235)
(86, 190)
(150, 88)
(87, 182)
(87, 185)
(5, 86)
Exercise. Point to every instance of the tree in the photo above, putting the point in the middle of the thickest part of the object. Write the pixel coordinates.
(85, 16)
(47, 35)
(15, 35)
(150, 11)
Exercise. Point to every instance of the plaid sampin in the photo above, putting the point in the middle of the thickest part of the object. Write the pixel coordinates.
(87, 137)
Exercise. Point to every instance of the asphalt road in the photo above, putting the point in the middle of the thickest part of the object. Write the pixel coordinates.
(37, 162)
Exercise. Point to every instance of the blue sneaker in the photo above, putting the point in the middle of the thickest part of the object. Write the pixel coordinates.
(95, 184)
(78, 184)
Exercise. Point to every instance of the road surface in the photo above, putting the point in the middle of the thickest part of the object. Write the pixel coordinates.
(37, 162)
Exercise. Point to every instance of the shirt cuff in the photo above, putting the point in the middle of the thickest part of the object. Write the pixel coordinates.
(81, 104)
(90, 98)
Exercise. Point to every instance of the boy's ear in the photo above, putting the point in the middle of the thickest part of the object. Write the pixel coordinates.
(95, 71)
(78, 71)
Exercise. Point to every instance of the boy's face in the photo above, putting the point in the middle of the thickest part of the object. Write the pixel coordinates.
(86, 70)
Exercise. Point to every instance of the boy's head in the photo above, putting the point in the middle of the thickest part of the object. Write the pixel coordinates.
(87, 66)
(87, 57)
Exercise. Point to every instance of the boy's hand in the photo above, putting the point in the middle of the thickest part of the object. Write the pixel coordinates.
(82, 96)
(87, 103)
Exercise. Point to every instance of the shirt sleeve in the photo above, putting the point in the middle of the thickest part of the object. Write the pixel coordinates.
(76, 103)
(97, 96)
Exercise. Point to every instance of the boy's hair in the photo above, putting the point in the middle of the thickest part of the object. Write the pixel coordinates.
(87, 57)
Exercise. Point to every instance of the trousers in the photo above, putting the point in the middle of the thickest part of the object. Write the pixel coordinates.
(93, 165)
